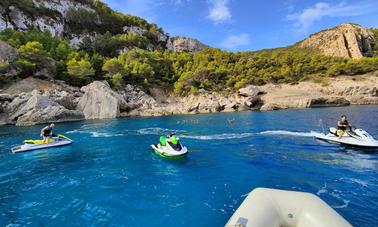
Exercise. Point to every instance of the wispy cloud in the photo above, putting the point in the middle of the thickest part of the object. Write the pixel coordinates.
(308, 16)
(219, 11)
(233, 42)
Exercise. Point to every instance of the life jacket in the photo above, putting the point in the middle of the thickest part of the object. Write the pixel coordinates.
(47, 131)
(343, 126)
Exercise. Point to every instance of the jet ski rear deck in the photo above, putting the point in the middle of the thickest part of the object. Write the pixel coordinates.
(31, 145)
(357, 138)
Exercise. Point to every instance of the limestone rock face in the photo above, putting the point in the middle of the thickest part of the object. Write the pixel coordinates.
(183, 44)
(250, 91)
(100, 101)
(40, 109)
(345, 40)
(7, 52)
(328, 102)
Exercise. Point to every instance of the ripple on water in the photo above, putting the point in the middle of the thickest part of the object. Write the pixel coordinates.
(109, 176)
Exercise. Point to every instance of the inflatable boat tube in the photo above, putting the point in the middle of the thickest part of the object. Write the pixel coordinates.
(265, 207)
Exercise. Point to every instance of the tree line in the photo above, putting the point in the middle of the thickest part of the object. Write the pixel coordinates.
(123, 59)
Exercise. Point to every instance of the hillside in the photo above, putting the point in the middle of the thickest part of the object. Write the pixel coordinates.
(68, 56)
(77, 19)
(345, 40)
(80, 41)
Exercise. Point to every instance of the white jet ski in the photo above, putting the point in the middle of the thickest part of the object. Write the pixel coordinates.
(31, 145)
(170, 147)
(357, 137)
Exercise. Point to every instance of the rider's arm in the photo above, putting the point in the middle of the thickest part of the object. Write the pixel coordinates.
(42, 131)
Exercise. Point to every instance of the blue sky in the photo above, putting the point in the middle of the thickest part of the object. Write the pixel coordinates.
(241, 25)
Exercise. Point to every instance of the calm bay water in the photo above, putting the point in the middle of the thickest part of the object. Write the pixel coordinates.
(110, 176)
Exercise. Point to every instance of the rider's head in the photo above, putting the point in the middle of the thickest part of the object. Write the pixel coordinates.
(343, 117)
(171, 134)
(52, 125)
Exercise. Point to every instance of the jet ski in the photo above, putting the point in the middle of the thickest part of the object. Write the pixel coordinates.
(30, 145)
(170, 147)
(356, 137)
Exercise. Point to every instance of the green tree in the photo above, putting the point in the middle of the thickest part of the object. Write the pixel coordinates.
(80, 71)
(33, 51)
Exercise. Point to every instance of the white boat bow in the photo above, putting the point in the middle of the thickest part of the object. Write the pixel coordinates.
(265, 207)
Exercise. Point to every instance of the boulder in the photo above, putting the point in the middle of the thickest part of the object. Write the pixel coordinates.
(271, 106)
(6, 97)
(250, 91)
(7, 52)
(16, 104)
(360, 90)
(40, 109)
(194, 108)
(63, 98)
(254, 102)
(100, 101)
(328, 102)
(136, 99)
(362, 100)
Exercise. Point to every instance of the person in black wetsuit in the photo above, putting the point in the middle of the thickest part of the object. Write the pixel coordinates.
(46, 132)
(342, 126)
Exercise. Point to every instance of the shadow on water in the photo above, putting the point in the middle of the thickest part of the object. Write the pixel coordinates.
(356, 149)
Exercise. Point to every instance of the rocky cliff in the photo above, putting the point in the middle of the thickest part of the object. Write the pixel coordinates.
(183, 44)
(76, 19)
(7, 52)
(34, 101)
(346, 40)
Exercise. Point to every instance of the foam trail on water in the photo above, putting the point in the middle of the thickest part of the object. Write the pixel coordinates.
(94, 134)
(75, 131)
(357, 181)
(346, 203)
(322, 190)
(290, 133)
(104, 134)
(223, 136)
(157, 131)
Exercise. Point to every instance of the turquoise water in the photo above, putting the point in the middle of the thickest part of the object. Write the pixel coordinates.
(109, 176)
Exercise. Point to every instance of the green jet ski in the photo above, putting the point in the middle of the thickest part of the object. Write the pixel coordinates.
(170, 147)
(30, 145)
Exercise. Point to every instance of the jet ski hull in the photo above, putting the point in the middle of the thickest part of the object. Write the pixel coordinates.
(60, 141)
(359, 139)
(167, 152)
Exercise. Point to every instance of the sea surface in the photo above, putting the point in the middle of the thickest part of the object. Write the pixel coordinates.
(110, 177)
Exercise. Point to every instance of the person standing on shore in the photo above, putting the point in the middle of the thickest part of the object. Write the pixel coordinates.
(47, 132)
(342, 126)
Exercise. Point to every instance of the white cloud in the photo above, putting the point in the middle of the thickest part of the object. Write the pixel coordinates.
(233, 42)
(219, 11)
(308, 16)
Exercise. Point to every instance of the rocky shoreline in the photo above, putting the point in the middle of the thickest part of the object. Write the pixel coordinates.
(32, 101)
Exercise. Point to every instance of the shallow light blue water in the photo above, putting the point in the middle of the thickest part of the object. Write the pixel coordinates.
(109, 176)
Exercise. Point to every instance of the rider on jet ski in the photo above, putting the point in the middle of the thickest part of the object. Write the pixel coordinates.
(47, 132)
(171, 139)
(342, 126)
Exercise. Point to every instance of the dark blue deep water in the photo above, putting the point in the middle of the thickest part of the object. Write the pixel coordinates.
(109, 176)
